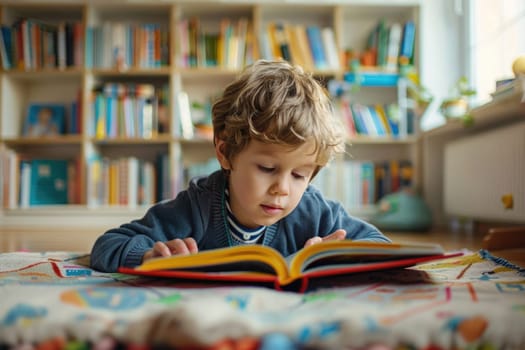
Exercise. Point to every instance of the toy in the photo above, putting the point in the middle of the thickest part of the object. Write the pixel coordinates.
(402, 211)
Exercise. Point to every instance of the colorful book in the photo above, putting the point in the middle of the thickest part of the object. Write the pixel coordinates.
(258, 264)
(48, 182)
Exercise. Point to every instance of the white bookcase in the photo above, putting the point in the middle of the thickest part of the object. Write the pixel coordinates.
(350, 21)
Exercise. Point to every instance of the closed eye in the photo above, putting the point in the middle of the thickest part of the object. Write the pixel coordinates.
(265, 169)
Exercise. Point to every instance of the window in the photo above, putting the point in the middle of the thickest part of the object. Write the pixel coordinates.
(496, 39)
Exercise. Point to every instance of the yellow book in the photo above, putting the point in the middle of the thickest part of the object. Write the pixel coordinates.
(304, 47)
(263, 264)
(383, 118)
(274, 40)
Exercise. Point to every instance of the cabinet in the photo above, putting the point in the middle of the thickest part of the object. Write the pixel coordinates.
(490, 154)
(166, 49)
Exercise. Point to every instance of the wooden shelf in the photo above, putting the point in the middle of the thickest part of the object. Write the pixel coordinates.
(138, 140)
(43, 141)
(498, 112)
(44, 74)
(371, 140)
(131, 72)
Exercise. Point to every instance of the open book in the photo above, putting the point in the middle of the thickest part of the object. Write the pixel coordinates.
(262, 264)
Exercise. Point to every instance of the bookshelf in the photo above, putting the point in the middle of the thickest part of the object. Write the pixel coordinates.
(177, 71)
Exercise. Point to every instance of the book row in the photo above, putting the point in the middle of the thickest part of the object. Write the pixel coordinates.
(231, 46)
(120, 181)
(31, 44)
(230, 43)
(378, 120)
(141, 111)
(129, 110)
(131, 182)
(358, 184)
(32, 182)
(126, 181)
(310, 46)
(389, 45)
(123, 45)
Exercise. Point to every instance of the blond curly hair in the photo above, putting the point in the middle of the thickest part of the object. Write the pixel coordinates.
(278, 103)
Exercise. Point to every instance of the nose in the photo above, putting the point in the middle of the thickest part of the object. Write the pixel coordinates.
(280, 187)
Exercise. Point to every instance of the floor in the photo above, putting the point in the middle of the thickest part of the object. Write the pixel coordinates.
(456, 241)
(81, 240)
(449, 240)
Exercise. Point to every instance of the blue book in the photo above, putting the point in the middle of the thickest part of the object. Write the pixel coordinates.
(48, 182)
(408, 41)
(316, 46)
(378, 79)
(377, 121)
(89, 47)
(6, 47)
(360, 125)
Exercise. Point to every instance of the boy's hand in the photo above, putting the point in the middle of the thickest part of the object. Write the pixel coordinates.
(338, 235)
(174, 247)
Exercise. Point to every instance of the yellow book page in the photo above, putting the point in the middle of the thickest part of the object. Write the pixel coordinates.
(304, 257)
(221, 256)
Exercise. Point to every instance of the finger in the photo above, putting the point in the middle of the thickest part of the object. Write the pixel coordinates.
(191, 244)
(177, 246)
(312, 241)
(161, 249)
(338, 235)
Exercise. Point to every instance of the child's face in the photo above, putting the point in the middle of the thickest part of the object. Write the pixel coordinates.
(267, 181)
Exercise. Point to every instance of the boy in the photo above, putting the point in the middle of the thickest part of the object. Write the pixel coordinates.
(273, 131)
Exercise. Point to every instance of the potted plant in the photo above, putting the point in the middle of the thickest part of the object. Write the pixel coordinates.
(457, 106)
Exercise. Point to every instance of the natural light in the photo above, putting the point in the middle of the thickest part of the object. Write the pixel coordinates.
(496, 40)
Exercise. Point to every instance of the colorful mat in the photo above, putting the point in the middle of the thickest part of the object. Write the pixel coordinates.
(54, 301)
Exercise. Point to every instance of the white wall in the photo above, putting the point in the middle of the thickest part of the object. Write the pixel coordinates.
(443, 52)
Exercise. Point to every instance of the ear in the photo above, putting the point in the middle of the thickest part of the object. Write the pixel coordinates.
(223, 161)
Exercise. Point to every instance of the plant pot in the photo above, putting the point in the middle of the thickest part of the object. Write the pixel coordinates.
(454, 109)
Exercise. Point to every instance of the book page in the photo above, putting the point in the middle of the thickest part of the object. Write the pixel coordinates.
(254, 258)
(336, 254)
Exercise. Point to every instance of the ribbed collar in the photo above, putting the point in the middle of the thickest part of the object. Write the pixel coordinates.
(220, 218)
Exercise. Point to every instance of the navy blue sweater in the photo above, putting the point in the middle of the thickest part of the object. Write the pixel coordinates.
(199, 212)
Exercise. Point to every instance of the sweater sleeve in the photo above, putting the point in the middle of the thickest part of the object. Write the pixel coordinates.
(125, 245)
(333, 216)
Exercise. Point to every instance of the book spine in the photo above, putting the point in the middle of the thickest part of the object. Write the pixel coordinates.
(407, 43)
(316, 45)
(394, 42)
